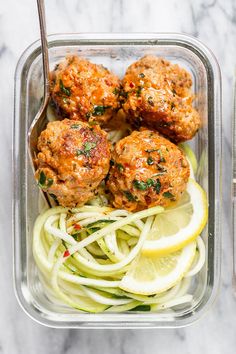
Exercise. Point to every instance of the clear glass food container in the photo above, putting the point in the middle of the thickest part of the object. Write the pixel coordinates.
(117, 51)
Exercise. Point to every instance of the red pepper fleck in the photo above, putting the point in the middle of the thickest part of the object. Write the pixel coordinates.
(131, 84)
(77, 226)
(66, 253)
(126, 164)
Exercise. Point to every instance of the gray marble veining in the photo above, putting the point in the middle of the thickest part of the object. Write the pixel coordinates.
(213, 22)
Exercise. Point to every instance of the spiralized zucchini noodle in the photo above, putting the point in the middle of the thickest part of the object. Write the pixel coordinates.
(83, 254)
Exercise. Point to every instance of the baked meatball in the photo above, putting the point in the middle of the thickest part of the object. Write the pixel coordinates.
(157, 94)
(84, 91)
(73, 159)
(148, 170)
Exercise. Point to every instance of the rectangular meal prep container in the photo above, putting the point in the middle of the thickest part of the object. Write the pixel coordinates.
(117, 51)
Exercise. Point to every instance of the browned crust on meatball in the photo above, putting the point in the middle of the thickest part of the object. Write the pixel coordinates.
(84, 91)
(72, 161)
(158, 95)
(148, 170)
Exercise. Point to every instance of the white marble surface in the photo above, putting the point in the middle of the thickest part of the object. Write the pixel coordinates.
(212, 21)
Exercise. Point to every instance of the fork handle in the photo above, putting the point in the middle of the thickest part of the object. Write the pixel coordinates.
(44, 46)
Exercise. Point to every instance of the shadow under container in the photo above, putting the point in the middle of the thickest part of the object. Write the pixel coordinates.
(116, 52)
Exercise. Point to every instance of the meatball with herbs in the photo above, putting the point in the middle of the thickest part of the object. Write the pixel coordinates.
(84, 91)
(158, 94)
(147, 170)
(72, 161)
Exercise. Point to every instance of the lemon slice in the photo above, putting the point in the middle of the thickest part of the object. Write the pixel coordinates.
(153, 275)
(190, 155)
(179, 225)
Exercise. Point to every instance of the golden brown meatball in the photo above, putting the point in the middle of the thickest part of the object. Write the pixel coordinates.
(73, 159)
(84, 91)
(158, 95)
(147, 170)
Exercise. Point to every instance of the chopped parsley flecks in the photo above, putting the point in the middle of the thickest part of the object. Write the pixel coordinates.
(151, 150)
(138, 91)
(150, 182)
(75, 126)
(150, 160)
(120, 167)
(63, 89)
(141, 75)
(162, 159)
(49, 182)
(116, 91)
(99, 110)
(168, 195)
(129, 196)
(42, 178)
(123, 94)
(88, 146)
(140, 185)
(143, 186)
(157, 186)
(43, 181)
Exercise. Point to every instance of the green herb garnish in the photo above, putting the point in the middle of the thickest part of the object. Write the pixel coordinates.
(124, 94)
(116, 91)
(140, 185)
(157, 186)
(75, 126)
(50, 182)
(143, 186)
(42, 179)
(120, 167)
(150, 182)
(138, 91)
(162, 159)
(150, 161)
(43, 182)
(141, 75)
(151, 150)
(129, 196)
(88, 146)
(99, 110)
(63, 89)
(168, 195)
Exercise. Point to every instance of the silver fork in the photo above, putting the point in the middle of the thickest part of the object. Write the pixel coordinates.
(39, 122)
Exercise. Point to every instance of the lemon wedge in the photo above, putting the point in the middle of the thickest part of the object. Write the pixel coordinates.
(154, 275)
(180, 224)
(190, 155)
